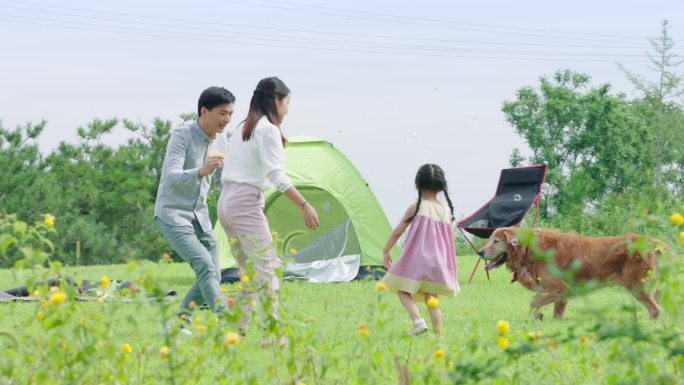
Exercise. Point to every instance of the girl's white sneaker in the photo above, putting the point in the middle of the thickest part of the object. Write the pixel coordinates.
(419, 327)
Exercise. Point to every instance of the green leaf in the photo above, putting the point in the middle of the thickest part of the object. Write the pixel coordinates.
(5, 241)
(20, 227)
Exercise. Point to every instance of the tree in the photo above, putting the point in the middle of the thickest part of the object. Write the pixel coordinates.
(660, 95)
(589, 138)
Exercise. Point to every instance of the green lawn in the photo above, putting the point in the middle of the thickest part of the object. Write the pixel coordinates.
(327, 351)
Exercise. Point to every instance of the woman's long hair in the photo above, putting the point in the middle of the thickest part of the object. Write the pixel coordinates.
(263, 103)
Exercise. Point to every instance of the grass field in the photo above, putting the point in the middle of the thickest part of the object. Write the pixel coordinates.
(86, 343)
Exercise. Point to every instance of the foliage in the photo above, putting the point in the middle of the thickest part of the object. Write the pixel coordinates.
(661, 110)
(338, 337)
(601, 147)
(103, 196)
(589, 138)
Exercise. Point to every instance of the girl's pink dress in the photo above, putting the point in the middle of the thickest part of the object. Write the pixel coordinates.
(427, 264)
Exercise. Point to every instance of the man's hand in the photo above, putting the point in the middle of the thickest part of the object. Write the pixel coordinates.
(214, 161)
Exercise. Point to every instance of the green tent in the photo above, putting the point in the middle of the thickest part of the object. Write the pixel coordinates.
(353, 227)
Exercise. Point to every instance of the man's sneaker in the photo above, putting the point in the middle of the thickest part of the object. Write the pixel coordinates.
(419, 327)
(183, 330)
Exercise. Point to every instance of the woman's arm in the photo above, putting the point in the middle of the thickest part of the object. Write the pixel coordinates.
(271, 155)
(308, 212)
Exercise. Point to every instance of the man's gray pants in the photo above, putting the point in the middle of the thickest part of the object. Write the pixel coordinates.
(200, 250)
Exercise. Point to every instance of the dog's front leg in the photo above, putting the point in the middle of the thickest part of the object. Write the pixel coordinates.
(559, 308)
(543, 299)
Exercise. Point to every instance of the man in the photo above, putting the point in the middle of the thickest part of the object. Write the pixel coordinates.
(194, 153)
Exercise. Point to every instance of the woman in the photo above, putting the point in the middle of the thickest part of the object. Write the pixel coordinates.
(255, 163)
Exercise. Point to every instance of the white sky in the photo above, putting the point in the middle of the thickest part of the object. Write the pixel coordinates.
(392, 83)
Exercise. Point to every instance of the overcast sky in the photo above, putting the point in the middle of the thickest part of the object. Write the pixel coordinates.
(392, 83)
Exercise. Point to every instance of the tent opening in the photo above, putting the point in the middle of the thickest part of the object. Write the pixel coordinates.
(331, 254)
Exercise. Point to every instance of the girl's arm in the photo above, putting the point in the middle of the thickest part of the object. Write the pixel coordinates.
(396, 233)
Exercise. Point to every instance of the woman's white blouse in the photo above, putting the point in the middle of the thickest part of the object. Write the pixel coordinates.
(259, 161)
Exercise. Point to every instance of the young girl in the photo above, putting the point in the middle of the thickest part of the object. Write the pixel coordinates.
(427, 265)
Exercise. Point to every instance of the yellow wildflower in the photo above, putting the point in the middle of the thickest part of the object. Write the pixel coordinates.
(244, 278)
(126, 348)
(584, 339)
(40, 316)
(64, 344)
(238, 287)
(49, 220)
(450, 364)
(104, 282)
(380, 286)
(363, 330)
(293, 250)
(58, 297)
(165, 352)
(502, 342)
(502, 327)
(44, 303)
(201, 328)
(223, 290)
(433, 303)
(274, 234)
(681, 237)
(231, 338)
(311, 319)
(552, 343)
(534, 335)
(439, 353)
(197, 320)
(677, 219)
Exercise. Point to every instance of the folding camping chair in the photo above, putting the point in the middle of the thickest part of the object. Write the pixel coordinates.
(518, 189)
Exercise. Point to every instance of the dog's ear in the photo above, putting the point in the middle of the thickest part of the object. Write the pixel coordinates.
(510, 234)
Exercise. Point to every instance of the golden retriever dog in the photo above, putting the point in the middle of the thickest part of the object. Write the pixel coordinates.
(608, 260)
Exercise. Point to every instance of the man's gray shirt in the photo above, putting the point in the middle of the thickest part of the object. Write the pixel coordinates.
(182, 194)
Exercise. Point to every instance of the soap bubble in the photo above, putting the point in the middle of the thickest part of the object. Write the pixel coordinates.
(521, 110)
(517, 197)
